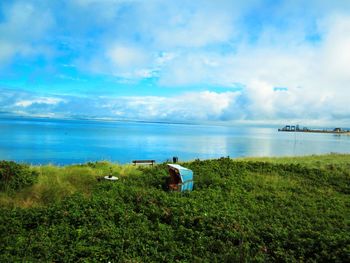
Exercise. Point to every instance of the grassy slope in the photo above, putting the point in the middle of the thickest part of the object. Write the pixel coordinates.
(289, 209)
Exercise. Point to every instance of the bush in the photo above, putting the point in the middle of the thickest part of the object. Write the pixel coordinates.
(15, 176)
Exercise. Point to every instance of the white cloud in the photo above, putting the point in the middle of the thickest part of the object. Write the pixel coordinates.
(205, 106)
(103, 2)
(144, 36)
(336, 55)
(43, 100)
(127, 57)
(22, 29)
(193, 106)
(128, 62)
(194, 30)
(317, 75)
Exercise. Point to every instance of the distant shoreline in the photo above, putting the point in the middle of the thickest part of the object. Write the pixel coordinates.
(320, 131)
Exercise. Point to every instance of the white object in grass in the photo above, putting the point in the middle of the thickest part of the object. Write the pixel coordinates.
(111, 178)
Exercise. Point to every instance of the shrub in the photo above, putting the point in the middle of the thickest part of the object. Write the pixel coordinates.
(15, 176)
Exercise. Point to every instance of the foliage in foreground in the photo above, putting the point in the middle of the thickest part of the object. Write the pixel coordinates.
(54, 183)
(239, 211)
(15, 176)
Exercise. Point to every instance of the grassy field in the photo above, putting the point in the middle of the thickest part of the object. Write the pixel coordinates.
(246, 210)
(55, 183)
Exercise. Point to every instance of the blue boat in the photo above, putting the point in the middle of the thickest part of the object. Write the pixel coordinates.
(181, 178)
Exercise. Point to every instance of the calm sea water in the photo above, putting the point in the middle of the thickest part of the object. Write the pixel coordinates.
(40, 141)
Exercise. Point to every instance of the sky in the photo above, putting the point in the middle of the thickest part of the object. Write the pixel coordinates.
(227, 61)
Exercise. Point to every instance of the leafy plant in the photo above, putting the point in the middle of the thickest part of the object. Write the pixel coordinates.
(15, 176)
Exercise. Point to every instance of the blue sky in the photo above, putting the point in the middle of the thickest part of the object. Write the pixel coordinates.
(269, 61)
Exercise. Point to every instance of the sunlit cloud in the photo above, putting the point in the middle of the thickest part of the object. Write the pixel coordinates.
(38, 101)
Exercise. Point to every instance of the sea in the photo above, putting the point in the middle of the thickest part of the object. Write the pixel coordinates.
(61, 142)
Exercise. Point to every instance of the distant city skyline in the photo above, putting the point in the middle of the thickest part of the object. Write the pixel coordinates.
(184, 61)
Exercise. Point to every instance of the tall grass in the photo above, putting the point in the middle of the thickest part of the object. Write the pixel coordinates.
(54, 183)
(312, 161)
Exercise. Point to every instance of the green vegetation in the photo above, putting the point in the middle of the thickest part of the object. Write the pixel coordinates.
(249, 210)
(15, 176)
(55, 183)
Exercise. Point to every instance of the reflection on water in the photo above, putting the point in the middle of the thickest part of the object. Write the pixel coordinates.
(64, 142)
